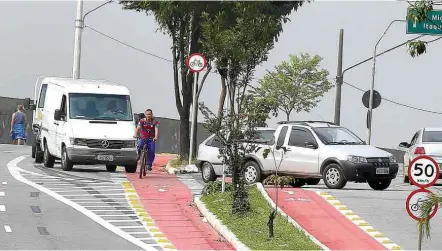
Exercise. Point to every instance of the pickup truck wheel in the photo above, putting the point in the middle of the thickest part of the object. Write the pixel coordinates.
(313, 182)
(334, 177)
(379, 184)
(252, 172)
(111, 168)
(48, 159)
(406, 179)
(207, 172)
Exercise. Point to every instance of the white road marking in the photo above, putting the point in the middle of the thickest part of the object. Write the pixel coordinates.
(76, 195)
(4, 183)
(162, 190)
(118, 215)
(140, 226)
(2, 193)
(84, 200)
(2, 208)
(111, 210)
(124, 220)
(14, 170)
(87, 190)
(8, 229)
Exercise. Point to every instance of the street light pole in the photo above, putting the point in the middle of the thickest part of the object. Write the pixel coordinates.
(370, 104)
(79, 26)
(339, 79)
(77, 42)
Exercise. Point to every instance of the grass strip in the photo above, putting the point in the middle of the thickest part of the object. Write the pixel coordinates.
(252, 230)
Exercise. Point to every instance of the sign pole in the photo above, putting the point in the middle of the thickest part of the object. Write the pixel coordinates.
(419, 245)
(196, 63)
(192, 129)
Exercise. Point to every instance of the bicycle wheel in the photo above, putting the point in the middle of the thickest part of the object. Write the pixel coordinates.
(145, 163)
(141, 163)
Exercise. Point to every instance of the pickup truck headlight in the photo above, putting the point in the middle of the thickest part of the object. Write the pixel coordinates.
(78, 142)
(392, 159)
(356, 159)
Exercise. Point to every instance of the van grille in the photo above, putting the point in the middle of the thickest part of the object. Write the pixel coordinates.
(98, 143)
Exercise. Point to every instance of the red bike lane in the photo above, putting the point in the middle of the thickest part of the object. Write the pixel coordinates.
(169, 202)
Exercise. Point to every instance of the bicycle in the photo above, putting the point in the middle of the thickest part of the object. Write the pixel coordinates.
(143, 161)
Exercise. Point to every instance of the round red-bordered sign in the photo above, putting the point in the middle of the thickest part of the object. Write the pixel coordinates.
(414, 203)
(421, 165)
(196, 62)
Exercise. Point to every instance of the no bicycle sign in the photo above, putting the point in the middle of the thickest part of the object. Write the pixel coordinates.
(196, 62)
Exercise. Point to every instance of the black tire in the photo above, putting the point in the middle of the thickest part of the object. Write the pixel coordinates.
(207, 172)
(66, 163)
(312, 182)
(379, 184)
(298, 182)
(252, 172)
(142, 163)
(39, 154)
(111, 168)
(131, 168)
(33, 151)
(48, 159)
(406, 179)
(333, 177)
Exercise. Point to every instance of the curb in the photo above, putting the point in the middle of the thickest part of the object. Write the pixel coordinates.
(173, 170)
(219, 227)
(134, 202)
(378, 236)
(289, 219)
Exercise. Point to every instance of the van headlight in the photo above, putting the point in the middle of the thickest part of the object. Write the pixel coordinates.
(356, 159)
(129, 144)
(78, 142)
(392, 159)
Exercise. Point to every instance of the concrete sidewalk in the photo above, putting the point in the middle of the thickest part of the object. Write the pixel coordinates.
(169, 203)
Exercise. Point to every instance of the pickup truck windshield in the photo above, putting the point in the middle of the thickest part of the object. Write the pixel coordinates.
(91, 106)
(337, 136)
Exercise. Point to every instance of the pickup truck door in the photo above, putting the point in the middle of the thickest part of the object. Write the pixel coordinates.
(268, 164)
(303, 154)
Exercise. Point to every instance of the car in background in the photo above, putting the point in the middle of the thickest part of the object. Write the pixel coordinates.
(426, 141)
(210, 163)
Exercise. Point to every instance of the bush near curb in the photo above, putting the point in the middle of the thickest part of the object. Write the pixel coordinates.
(252, 230)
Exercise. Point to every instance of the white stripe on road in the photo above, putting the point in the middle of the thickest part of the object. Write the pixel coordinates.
(2, 208)
(8, 229)
(2, 193)
(4, 183)
(14, 170)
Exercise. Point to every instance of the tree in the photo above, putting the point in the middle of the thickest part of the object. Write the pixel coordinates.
(295, 85)
(181, 21)
(238, 38)
(434, 200)
(418, 12)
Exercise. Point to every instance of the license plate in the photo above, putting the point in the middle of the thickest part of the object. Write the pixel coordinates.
(105, 157)
(382, 170)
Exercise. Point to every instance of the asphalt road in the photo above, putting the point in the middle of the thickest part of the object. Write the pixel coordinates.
(86, 209)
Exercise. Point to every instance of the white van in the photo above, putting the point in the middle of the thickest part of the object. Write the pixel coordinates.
(83, 121)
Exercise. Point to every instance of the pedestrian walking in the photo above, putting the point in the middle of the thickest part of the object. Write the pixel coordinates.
(18, 126)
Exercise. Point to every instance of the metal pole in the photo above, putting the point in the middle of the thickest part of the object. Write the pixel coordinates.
(77, 42)
(194, 104)
(370, 106)
(419, 245)
(339, 80)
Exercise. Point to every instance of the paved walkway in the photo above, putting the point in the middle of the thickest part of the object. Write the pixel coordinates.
(322, 220)
(169, 203)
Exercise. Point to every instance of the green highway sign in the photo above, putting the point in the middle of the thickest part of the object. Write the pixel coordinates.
(431, 26)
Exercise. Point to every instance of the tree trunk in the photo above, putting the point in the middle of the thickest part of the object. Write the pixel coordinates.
(222, 96)
(288, 116)
(184, 135)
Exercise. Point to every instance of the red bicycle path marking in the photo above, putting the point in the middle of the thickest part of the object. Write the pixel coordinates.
(323, 221)
(171, 210)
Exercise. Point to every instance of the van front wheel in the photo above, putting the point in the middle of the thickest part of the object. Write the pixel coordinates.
(66, 163)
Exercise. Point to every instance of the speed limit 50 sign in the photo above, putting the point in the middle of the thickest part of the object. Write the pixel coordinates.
(423, 171)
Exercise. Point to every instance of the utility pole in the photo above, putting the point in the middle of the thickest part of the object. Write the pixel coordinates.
(339, 79)
(77, 44)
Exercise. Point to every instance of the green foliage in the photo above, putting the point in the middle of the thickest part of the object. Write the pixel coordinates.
(295, 85)
(418, 11)
(279, 181)
(214, 187)
(433, 199)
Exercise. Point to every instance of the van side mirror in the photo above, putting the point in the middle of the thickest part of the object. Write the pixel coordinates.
(26, 103)
(58, 114)
(311, 145)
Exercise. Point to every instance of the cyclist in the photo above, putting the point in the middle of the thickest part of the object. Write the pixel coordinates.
(148, 129)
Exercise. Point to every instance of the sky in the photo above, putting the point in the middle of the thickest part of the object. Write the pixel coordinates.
(37, 40)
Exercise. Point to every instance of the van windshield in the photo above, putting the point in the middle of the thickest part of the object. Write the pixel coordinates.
(93, 106)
